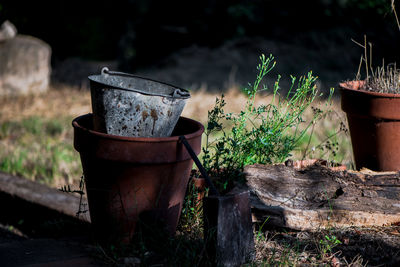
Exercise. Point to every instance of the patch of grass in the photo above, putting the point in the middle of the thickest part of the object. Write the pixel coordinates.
(279, 247)
(39, 149)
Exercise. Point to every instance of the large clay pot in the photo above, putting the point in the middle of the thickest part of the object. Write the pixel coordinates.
(130, 178)
(374, 123)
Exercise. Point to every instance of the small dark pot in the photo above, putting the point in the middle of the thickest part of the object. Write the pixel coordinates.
(130, 178)
(374, 123)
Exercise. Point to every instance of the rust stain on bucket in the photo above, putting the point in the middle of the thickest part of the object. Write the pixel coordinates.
(153, 114)
(144, 115)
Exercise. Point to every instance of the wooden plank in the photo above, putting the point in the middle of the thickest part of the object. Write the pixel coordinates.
(41, 195)
(318, 197)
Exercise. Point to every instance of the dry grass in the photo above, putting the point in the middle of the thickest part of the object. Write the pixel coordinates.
(65, 101)
(56, 103)
(71, 102)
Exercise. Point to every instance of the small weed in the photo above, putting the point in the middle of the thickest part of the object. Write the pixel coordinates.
(327, 244)
(259, 235)
(81, 192)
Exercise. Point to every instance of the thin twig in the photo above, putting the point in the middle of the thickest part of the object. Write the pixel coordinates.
(395, 14)
(358, 77)
(357, 43)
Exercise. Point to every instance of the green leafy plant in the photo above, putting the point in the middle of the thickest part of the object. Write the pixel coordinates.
(262, 134)
(327, 244)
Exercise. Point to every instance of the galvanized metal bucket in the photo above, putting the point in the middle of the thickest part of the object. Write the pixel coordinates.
(128, 105)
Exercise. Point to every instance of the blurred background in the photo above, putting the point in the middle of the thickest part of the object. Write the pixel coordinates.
(207, 44)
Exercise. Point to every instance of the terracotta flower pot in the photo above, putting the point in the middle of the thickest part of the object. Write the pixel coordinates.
(130, 178)
(374, 123)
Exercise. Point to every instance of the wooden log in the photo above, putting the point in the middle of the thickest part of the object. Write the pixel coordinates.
(37, 194)
(318, 196)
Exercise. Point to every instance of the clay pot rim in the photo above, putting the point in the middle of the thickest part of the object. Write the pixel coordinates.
(198, 132)
(355, 87)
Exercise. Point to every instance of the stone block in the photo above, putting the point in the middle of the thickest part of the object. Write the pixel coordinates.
(24, 66)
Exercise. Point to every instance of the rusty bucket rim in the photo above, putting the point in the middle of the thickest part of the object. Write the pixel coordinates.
(199, 132)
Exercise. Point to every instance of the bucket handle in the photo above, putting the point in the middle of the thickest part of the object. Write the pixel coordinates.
(177, 92)
(196, 160)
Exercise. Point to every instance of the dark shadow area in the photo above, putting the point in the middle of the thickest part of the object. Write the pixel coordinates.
(31, 234)
(9, 234)
(35, 221)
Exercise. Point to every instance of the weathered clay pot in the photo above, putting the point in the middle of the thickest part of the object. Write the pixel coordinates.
(374, 123)
(130, 178)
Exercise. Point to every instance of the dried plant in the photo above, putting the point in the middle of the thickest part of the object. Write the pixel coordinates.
(384, 79)
(395, 14)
